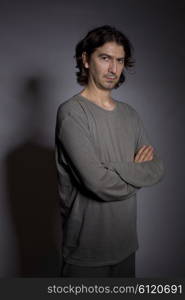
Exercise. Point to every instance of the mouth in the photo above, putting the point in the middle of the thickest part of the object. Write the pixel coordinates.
(110, 78)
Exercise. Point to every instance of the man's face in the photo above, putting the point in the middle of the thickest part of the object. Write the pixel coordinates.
(106, 65)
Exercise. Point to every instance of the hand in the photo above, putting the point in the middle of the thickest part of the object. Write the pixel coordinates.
(145, 153)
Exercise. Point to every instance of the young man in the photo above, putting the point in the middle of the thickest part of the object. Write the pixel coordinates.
(103, 157)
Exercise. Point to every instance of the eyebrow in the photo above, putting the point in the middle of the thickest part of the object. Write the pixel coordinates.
(110, 56)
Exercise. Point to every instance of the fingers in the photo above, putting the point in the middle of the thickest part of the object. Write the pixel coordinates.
(149, 155)
(139, 153)
(145, 153)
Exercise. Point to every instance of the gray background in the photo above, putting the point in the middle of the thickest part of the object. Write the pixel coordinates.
(37, 73)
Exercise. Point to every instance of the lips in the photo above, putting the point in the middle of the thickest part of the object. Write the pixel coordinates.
(110, 78)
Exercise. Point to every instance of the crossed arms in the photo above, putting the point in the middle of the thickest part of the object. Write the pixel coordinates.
(109, 182)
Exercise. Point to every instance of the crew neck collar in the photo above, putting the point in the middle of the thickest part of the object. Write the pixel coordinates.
(96, 105)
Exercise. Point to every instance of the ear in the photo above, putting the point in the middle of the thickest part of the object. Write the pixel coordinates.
(85, 60)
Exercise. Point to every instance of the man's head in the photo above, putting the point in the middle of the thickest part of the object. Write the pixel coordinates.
(102, 56)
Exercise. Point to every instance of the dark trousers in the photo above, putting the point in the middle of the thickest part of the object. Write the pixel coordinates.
(125, 268)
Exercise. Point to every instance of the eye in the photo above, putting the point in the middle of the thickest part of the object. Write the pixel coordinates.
(105, 58)
(121, 61)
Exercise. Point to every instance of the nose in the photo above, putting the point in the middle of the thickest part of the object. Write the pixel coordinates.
(113, 66)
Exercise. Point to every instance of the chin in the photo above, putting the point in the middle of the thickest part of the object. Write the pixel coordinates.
(111, 87)
(108, 86)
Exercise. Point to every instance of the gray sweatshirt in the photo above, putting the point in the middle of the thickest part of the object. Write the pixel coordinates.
(98, 179)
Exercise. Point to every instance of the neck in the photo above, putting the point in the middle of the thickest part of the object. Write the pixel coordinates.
(103, 100)
(97, 95)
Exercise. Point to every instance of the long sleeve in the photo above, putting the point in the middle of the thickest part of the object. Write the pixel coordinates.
(74, 141)
(140, 174)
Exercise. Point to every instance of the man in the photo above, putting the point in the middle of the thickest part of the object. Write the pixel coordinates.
(103, 157)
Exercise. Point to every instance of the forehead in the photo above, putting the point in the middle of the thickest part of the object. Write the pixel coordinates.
(112, 49)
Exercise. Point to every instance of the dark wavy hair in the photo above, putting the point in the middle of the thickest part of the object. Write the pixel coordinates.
(97, 38)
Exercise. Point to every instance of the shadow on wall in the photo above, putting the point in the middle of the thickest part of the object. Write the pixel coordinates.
(32, 188)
